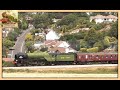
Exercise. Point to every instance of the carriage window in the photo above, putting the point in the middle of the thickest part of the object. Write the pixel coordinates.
(111, 56)
(102, 56)
(106, 56)
(97, 56)
(90, 56)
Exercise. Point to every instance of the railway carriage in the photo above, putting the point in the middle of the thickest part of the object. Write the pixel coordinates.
(97, 57)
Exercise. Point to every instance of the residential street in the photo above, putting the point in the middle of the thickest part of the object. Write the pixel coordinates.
(19, 45)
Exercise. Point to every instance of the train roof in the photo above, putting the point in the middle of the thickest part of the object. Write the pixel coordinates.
(98, 53)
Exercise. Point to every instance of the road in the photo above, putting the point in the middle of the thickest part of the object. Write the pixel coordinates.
(19, 44)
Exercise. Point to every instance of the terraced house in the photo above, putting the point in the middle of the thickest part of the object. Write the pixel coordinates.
(103, 19)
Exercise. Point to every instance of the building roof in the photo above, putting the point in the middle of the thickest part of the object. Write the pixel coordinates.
(52, 35)
(8, 59)
(50, 42)
(60, 49)
(102, 17)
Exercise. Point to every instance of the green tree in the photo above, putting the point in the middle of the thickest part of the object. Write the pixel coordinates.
(91, 37)
(93, 50)
(7, 43)
(42, 20)
(67, 20)
(100, 45)
(12, 36)
(28, 37)
(29, 46)
(100, 36)
(114, 30)
(106, 41)
(83, 44)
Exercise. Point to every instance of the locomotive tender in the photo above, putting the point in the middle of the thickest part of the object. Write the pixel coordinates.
(38, 59)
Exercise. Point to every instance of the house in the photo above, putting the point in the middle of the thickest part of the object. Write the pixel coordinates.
(37, 44)
(28, 18)
(61, 50)
(55, 20)
(50, 43)
(5, 31)
(60, 46)
(78, 30)
(52, 35)
(101, 18)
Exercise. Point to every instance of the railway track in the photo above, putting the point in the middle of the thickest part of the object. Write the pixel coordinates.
(63, 66)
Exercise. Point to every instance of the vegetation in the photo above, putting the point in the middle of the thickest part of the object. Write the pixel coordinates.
(101, 70)
(22, 23)
(7, 64)
(83, 41)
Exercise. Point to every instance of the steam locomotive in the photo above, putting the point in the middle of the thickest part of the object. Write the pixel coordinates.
(38, 59)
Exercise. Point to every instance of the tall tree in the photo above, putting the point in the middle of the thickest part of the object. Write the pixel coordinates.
(114, 30)
(91, 37)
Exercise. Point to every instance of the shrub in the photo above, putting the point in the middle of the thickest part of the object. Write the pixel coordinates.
(83, 49)
(7, 64)
(91, 50)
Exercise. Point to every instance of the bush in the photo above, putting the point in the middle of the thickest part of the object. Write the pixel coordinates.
(99, 45)
(83, 49)
(91, 50)
(7, 64)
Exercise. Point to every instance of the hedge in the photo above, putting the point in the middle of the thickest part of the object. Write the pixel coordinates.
(7, 64)
(95, 49)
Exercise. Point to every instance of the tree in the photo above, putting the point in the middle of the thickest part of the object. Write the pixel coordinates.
(12, 36)
(29, 46)
(7, 43)
(17, 30)
(67, 20)
(100, 36)
(28, 37)
(113, 32)
(33, 31)
(91, 37)
(99, 45)
(42, 20)
(83, 44)
(106, 41)
(92, 50)
(73, 42)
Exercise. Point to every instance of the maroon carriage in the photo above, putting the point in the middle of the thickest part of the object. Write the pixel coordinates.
(97, 57)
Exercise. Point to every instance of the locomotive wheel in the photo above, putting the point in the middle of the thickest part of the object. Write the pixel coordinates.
(18, 64)
(42, 63)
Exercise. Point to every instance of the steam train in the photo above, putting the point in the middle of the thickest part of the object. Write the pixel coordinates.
(38, 59)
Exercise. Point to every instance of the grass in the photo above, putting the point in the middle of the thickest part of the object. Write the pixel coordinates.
(7, 64)
(66, 71)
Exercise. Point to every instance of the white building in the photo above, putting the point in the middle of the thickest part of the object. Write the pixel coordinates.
(101, 18)
(52, 35)
(55, 20)
(37, 45)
